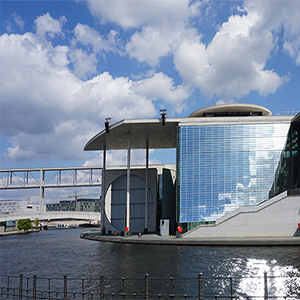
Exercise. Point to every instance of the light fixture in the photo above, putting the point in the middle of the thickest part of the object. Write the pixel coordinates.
(107, 120)
(163, 113)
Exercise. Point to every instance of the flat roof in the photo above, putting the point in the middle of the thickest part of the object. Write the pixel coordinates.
(164, 136)
(230, 108)
(159, 136)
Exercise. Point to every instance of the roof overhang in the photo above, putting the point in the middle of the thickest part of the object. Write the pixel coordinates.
(232, 108)
(159, 136)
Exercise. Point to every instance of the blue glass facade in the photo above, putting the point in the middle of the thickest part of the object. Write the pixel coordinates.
(223, 167)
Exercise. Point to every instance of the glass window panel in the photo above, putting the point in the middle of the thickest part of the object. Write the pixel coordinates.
(228, 165)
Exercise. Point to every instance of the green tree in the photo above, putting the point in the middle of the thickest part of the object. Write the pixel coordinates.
(24, 224)
(36, 223)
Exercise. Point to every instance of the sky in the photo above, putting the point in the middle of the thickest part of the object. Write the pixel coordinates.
(67, 65)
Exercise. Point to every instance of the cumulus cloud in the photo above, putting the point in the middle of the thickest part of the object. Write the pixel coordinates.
(119, 158)
(50, 113)
(160, 86)
(88, 47)
(232, 64)
(158, 24)
(279, 15)
(143, 46)
(133, 14)
(53, 97)
(46, 26)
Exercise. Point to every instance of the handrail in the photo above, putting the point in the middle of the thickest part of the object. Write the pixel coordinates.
(148, 287)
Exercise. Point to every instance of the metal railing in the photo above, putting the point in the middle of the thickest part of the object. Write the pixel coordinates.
(50, 177)
(215, 288)
(285, 112)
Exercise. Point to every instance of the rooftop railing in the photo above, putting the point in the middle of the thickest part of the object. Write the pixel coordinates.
(215, 288)
(285, 112)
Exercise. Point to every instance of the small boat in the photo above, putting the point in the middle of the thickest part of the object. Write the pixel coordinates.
(62, 225)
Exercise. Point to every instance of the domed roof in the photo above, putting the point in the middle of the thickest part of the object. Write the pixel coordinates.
(232, 109)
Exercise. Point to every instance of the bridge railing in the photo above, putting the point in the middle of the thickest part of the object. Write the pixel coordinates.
(50, 177)
(148, 287)
(53, 215)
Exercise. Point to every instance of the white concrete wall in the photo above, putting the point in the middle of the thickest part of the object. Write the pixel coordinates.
(52, 215)
(278, 216)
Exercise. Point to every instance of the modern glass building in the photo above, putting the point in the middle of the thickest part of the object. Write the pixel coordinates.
(228, 160)
(227, 156)
(223, 167)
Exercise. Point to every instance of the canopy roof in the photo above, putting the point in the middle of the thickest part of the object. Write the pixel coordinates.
(164, 136)
(159, 136)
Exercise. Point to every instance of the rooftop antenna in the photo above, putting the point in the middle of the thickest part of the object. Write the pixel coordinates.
(107, 121)
(163, 113)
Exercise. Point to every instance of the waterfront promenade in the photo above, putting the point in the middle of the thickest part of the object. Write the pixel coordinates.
(156, 239)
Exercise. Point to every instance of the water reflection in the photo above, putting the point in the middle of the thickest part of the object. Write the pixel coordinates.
(57, 253)
(279, 281)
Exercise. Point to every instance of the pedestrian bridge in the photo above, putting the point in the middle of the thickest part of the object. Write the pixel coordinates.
(52, 215)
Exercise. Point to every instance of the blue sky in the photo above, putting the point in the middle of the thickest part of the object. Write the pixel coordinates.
(67, 65)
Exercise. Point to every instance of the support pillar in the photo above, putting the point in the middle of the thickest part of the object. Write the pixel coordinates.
(128, 188)
(42, 190)
(103, 189)
(146, 188)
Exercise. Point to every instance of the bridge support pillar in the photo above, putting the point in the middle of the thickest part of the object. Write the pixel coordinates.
(42, 190)
(146, 187)
(103, 189)
(128, 226)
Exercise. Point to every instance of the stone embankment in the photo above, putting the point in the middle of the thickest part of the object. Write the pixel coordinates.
(95, 235)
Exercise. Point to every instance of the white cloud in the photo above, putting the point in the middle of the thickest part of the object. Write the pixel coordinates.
(119, 158)
(162, 87)
(94, 47)
(46, 26)
(292, 48)
(14, 19)
(85, 64)
(233, 63)
(277, 15)
(159, 24)
(90, 37)
(51, 104)
(144, 46)
(133, 14)
(48, 112)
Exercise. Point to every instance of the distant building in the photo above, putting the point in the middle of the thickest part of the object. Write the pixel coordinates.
(92, 205)
(14, 206)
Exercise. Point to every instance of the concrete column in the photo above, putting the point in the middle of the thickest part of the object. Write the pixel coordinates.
(42, 190)
(103, 189)
(146, 188)
(128, 186)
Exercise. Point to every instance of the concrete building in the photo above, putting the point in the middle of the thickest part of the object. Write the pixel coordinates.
(232, 160)
(16, 206)
(78, 205)
(157, 203)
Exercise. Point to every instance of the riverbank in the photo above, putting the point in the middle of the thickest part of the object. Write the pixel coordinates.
(155, 239)
(18, 232)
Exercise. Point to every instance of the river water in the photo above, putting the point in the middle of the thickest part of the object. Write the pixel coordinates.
(55, 253)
